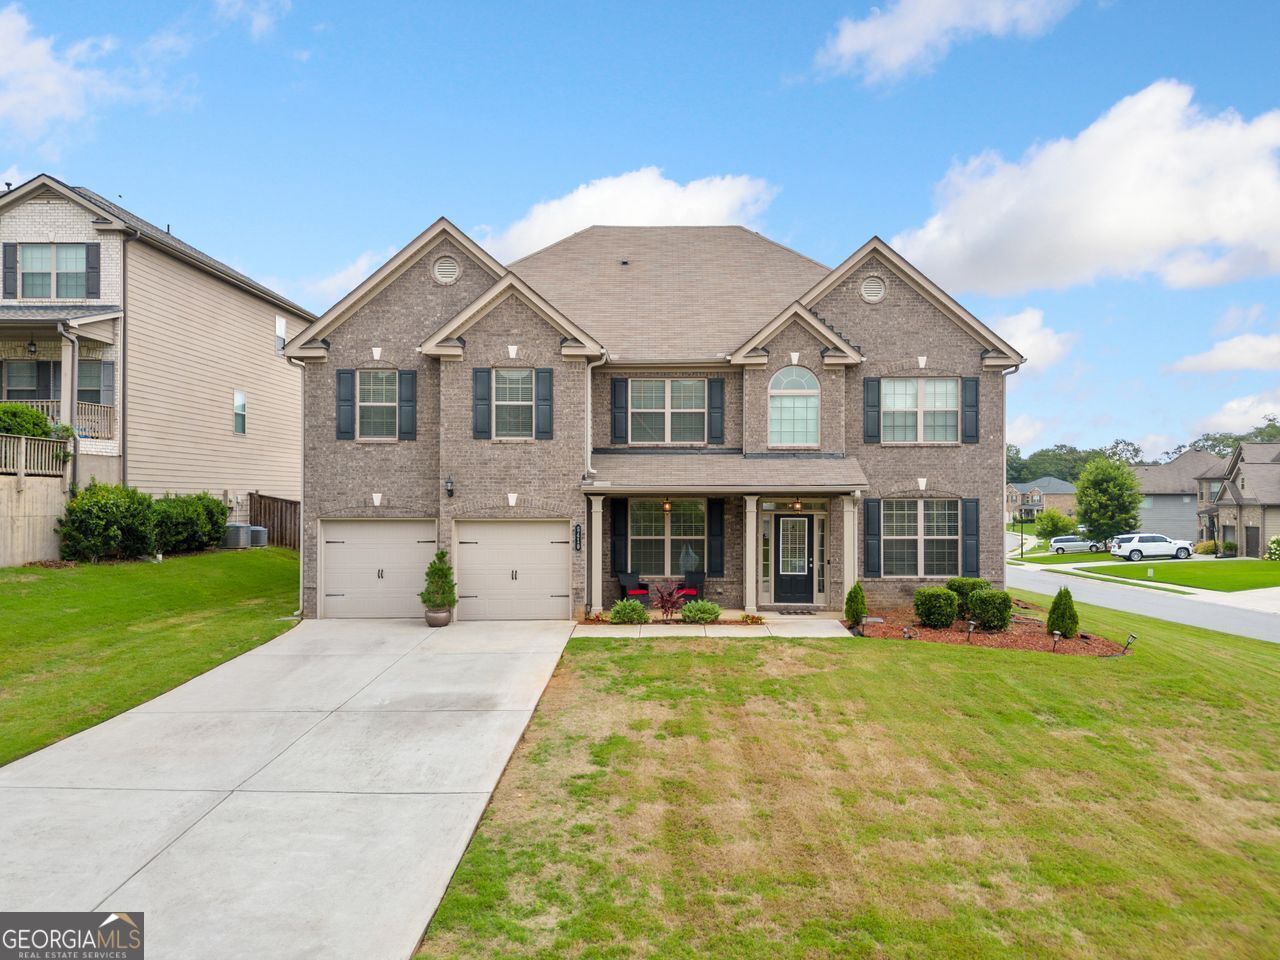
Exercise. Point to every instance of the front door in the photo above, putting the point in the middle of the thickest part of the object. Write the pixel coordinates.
(1252, 542)
(793, 559)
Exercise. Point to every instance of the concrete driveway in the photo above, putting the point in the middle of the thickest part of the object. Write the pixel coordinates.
(310, 798)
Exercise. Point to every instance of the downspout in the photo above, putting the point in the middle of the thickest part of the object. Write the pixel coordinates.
(302, 440)
(604, 356)
(124, 358)
(74, 374)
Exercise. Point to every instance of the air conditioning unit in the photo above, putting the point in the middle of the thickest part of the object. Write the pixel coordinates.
(236, 537)
(257, 536)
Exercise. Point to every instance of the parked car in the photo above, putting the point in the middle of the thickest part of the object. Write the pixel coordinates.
(1140, 546)
(1073, 545)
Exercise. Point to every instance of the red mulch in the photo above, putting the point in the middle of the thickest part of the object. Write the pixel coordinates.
(1024, 633)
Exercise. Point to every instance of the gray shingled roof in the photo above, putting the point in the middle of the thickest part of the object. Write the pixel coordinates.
(685, 292)
(51, 313)
(1260, 452)
(1046, 485)
(711, 472)
(1178, 475)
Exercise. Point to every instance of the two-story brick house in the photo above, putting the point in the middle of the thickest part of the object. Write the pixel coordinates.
(695, 404)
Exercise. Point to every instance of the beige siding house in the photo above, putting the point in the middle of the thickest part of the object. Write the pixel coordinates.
(99, 320)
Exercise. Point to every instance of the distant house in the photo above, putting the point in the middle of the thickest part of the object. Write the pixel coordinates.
(1246, 504)
(1174, 493)
(1028, 500)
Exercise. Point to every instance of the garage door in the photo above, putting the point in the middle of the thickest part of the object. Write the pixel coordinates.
(512, 569)
(374, 568)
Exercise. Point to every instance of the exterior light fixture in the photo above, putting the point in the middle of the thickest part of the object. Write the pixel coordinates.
(1129, 643)
(796, 504)
(973, 624)
(448, 486)
(666, 506)
(1057, 635)
(32, 348)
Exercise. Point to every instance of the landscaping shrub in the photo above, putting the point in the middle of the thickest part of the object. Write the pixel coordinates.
(182, 526)
(936, 606)
(1229, 548)
(1207, 547)
(667, 599)
(962, 587)
(216, 511)
(1053, 523)
(628, 611)
(700, 611)
(108, 521)
(23, 421)
(1062, 615)
(855, 604)
(1273, 549)
(991, 609)
(440, 592)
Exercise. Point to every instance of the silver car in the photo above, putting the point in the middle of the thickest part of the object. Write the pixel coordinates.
(1073, 545)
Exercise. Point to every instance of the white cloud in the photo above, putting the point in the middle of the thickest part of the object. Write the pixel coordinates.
(1042, 346)
(913, 35)
(1242, 413)
(642, 197)
(1249, 351)
(1238, 318)
(1152, 186)
(320, 293)
(1154, 445)
(1023, 430)
(261, 16)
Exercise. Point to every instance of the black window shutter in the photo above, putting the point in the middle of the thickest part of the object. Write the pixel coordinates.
(715, 537)
(108, 383)
(871, 539)
(408, 404)
(618, 534)
(969, 411)
(969, 535)
(10, 271)
(346, 394)
(544, 406)
(481, 384)
(871, 414)
(715, 410)
(92, 270)
(618, 411)
(44, 380)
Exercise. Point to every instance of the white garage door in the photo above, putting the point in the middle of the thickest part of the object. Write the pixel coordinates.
(374, 568)
(512, 569)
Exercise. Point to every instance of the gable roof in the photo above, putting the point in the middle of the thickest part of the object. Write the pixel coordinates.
(1046, 485)
(655, 294)
(114, 217)
(1254, 474)
(838, 350)
(1179, 475)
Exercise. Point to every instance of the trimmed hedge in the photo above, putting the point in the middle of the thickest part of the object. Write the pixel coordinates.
(700, 611)
(1063, 618)
(855, 605)
(628, 611)
(20, 420)
(108, 521)
(991, 609)
(936, 606)
(962, 587)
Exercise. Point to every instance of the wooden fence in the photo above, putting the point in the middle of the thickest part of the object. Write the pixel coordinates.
(280, 517)
(32, 457)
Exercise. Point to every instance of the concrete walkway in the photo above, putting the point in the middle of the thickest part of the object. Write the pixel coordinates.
(310, 798)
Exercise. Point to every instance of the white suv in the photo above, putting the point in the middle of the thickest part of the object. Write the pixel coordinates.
(1139, 546)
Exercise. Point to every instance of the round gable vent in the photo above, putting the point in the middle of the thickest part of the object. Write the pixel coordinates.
(445, 270)
(873, 289)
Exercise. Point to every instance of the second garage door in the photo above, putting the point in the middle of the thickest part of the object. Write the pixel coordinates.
(512, 569)
(374, 568)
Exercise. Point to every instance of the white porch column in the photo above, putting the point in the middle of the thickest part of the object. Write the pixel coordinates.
(597, 553)
(66, 398)
(850, 530)
(749, 565)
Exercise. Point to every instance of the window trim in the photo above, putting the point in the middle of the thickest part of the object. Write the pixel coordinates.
(53, 269)
(920, 410)
(666, 410)
(282, 334)
(816, 392)
(394, 405)
(531, 403)
(920, 538)
(239, 413)
(666, 537)
(80, 378)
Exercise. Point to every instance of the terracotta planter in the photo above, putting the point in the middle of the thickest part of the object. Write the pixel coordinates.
(438, 618)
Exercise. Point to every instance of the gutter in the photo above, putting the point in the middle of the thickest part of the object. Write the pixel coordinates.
(604, 356)
(74, 374)
(302, 439)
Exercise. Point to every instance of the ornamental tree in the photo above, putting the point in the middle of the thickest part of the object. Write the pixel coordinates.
(1107, 499)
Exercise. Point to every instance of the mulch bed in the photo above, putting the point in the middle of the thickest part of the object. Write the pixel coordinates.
(1024, 633)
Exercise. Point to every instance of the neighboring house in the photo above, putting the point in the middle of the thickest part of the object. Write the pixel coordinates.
(1171, 493)
(1029, 499)
(676, 403)
(1247, 506)
(168, 364)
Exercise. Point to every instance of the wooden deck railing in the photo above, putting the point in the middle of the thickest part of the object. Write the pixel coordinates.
(279, 516)
(96, 421)
(32, 457)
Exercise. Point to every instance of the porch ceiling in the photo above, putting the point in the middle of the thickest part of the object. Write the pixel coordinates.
(724, 473)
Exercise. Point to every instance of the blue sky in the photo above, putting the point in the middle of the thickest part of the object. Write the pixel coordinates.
(1100, 181)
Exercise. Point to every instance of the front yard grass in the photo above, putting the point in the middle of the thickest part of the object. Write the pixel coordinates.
(1224, 575)
(783, 799)
(85, 643)
(1100, 557)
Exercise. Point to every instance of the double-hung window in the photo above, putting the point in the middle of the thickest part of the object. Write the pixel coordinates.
(920, 409)
(36, 264)
(71, 270)
(668, 543)
(513, 404)
(376, 402)
(793, 408)
(921, 538)
(668, 411)
(89, 382)
(54, 270)
(21, 380)
(239, 411)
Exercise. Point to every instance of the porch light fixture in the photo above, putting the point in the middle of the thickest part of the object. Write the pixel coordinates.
(448, 486)
(666, 505)
(32, 348)
(796, 504)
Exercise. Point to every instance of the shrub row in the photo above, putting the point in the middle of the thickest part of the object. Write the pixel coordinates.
(968, 598)
(695, 611)
(115, 522)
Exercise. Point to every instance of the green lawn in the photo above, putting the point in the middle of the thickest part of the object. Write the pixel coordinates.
(1051, 558)
(1225, 575)
(770, 799)
(85, 643)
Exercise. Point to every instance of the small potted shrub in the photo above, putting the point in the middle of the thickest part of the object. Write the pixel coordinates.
(441, 593)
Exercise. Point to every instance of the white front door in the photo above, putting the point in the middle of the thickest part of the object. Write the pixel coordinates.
(512, 569)
(374, 568)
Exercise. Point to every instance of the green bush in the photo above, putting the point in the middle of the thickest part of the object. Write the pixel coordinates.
(1207, 547)
(991, 609)
(1229, 548)
(936, 606)
(23, 421)
(962, 587)
(855, 605)
(1273, 549)
(181, 525)
(441, 591)
(216, 512)
(1053, 523)
(700, 611)
(628, 611)
(1062, 615)
(108, 521)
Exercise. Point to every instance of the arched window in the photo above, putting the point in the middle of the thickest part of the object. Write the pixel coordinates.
(793, 408)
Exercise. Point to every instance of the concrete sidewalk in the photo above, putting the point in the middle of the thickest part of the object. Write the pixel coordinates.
(310, 798)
